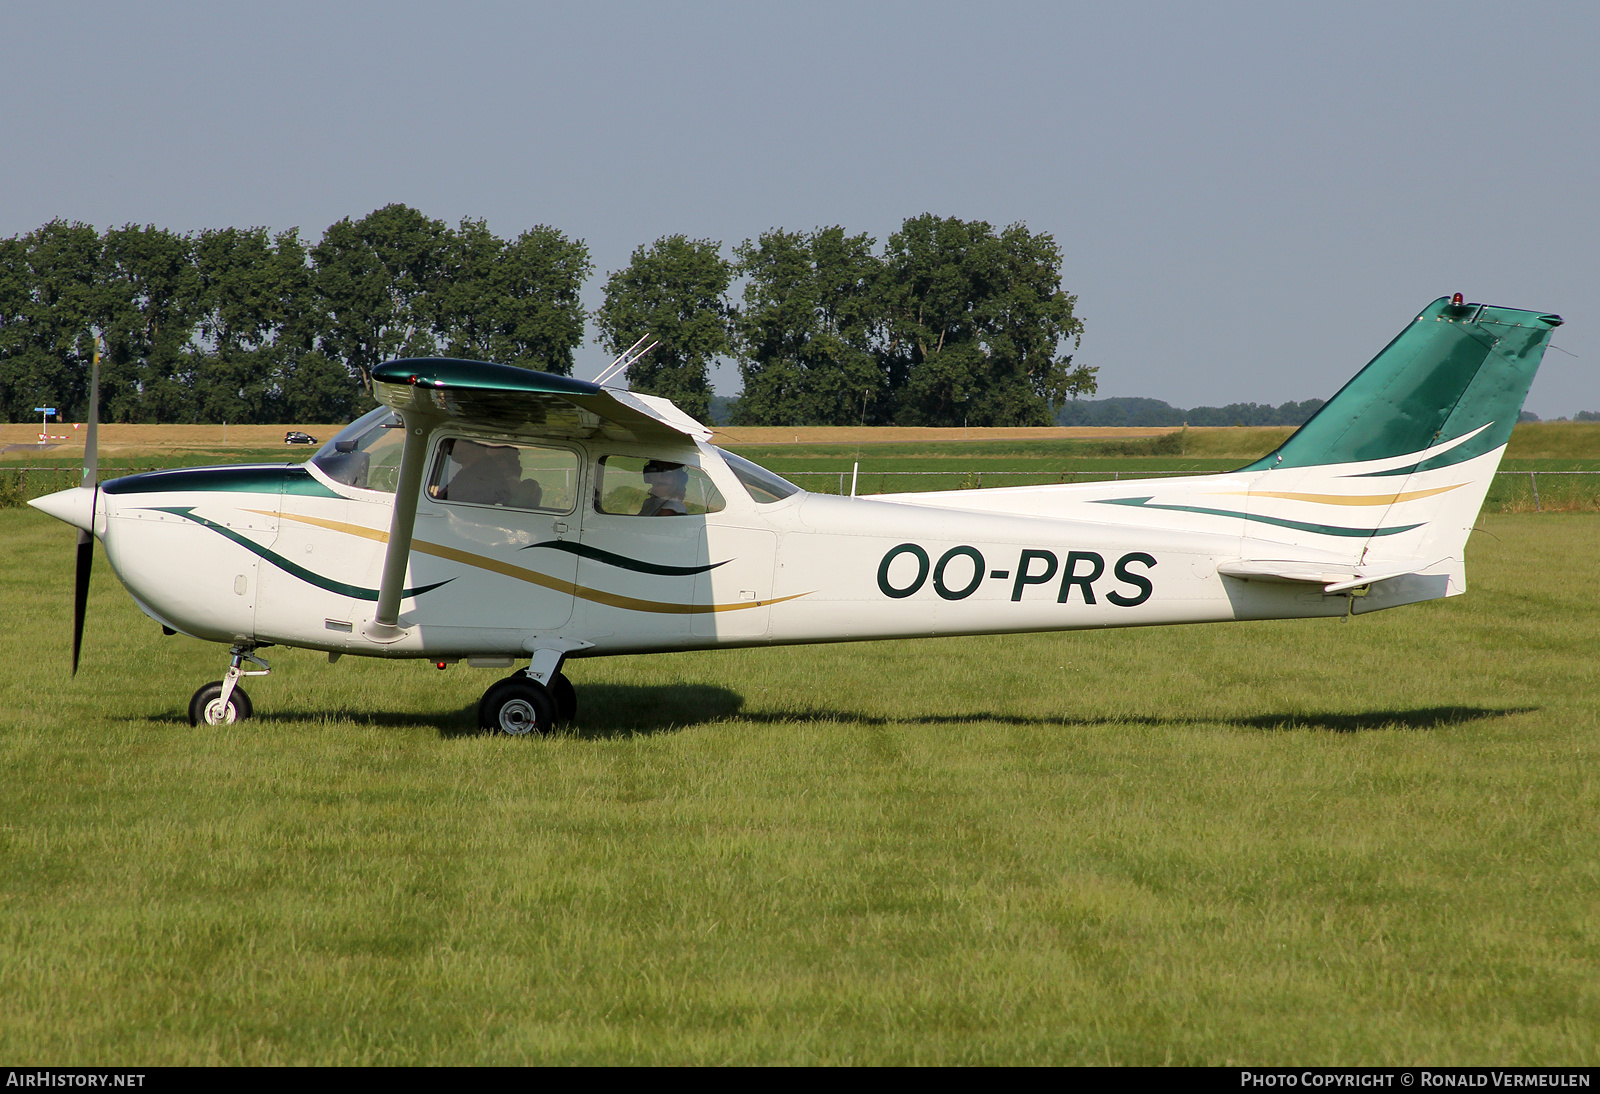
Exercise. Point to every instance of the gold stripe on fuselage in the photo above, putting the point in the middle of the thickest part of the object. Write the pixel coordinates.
(1346, 499)
(534, 577)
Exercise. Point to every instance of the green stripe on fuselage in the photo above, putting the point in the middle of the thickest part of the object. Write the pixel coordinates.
(597, 554)
(1281, 522)
(258, 478)
(292, 568)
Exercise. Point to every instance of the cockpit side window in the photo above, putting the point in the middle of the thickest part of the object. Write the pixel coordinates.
(366, 453)
(764, 486)
(517, 476)
(634, 486)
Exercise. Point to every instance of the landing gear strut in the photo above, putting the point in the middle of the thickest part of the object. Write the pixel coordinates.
(223, 702)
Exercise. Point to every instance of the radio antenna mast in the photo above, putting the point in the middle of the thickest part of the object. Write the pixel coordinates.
(628, 357)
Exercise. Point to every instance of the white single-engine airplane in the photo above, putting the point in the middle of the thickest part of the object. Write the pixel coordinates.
(490, 513)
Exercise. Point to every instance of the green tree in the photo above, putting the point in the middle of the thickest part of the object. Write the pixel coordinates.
(976, 320)
(256, 318)
(49, 285)
(674, 291)
(807, 330)
(375, 282)
(148, 308)
(516, 303)
(311, 388)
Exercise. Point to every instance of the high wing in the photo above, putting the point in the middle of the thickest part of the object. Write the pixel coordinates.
(428, 392)
(517, 400)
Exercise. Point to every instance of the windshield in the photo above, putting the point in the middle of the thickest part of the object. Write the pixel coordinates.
(365, 453)
(764, 486)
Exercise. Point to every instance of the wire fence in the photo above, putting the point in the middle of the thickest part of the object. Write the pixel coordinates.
(1511, 492)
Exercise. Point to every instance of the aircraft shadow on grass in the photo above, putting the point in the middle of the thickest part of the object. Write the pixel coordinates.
(622, 710)
(605, 710)
(1336, 722)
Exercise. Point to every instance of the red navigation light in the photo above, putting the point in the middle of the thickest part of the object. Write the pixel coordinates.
(1457, 299)
(440, 665)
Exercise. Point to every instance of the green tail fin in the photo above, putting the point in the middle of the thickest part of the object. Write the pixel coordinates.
(1455, 369)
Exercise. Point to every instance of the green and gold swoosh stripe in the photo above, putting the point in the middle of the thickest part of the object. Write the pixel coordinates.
(534, 577)
(310, 577)
(1344, 499)
(1281, 522)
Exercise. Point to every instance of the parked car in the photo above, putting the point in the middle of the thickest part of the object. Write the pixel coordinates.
(294, 436)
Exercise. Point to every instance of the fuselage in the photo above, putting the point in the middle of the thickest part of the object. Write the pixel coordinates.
(289, 555)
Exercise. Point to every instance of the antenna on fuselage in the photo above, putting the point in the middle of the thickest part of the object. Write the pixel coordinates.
(628, 357)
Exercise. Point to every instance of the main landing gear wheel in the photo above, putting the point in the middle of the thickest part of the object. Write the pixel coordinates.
(518, 706)
(566, 699)
(206, 706)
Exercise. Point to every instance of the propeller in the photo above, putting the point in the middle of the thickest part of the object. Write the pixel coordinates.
(91, 478)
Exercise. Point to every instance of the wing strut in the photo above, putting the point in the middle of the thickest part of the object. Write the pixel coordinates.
(385, 626)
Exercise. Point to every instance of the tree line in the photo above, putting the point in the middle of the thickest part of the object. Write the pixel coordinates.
(949, 321)
(242, 325)
(1156, 412)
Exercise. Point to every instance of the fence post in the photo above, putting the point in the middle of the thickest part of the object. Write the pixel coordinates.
(1537, 508)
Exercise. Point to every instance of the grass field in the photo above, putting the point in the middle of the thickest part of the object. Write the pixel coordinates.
(1369, 842)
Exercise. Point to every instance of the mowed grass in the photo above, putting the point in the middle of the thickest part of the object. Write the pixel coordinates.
(1374, 841)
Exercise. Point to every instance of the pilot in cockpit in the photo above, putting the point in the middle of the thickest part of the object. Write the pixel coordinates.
(669, 483)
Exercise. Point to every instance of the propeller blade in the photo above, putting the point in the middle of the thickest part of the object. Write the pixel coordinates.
(80, 592)
(91, 438)
(91, 478)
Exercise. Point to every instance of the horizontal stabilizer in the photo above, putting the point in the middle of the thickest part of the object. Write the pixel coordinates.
(1332, 578)
(1306, 573)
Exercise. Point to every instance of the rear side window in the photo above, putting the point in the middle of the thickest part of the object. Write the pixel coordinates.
(517, 476)
(633, 486)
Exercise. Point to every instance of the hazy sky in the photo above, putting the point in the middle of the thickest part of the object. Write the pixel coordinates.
(1251, 199)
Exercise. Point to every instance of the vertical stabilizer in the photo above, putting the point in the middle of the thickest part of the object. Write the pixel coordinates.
(1458, 372)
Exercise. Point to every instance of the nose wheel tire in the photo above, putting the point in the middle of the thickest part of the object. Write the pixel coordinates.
(206, 708)
(517, 706)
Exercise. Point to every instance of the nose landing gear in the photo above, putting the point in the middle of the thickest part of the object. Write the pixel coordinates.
(223, 702)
